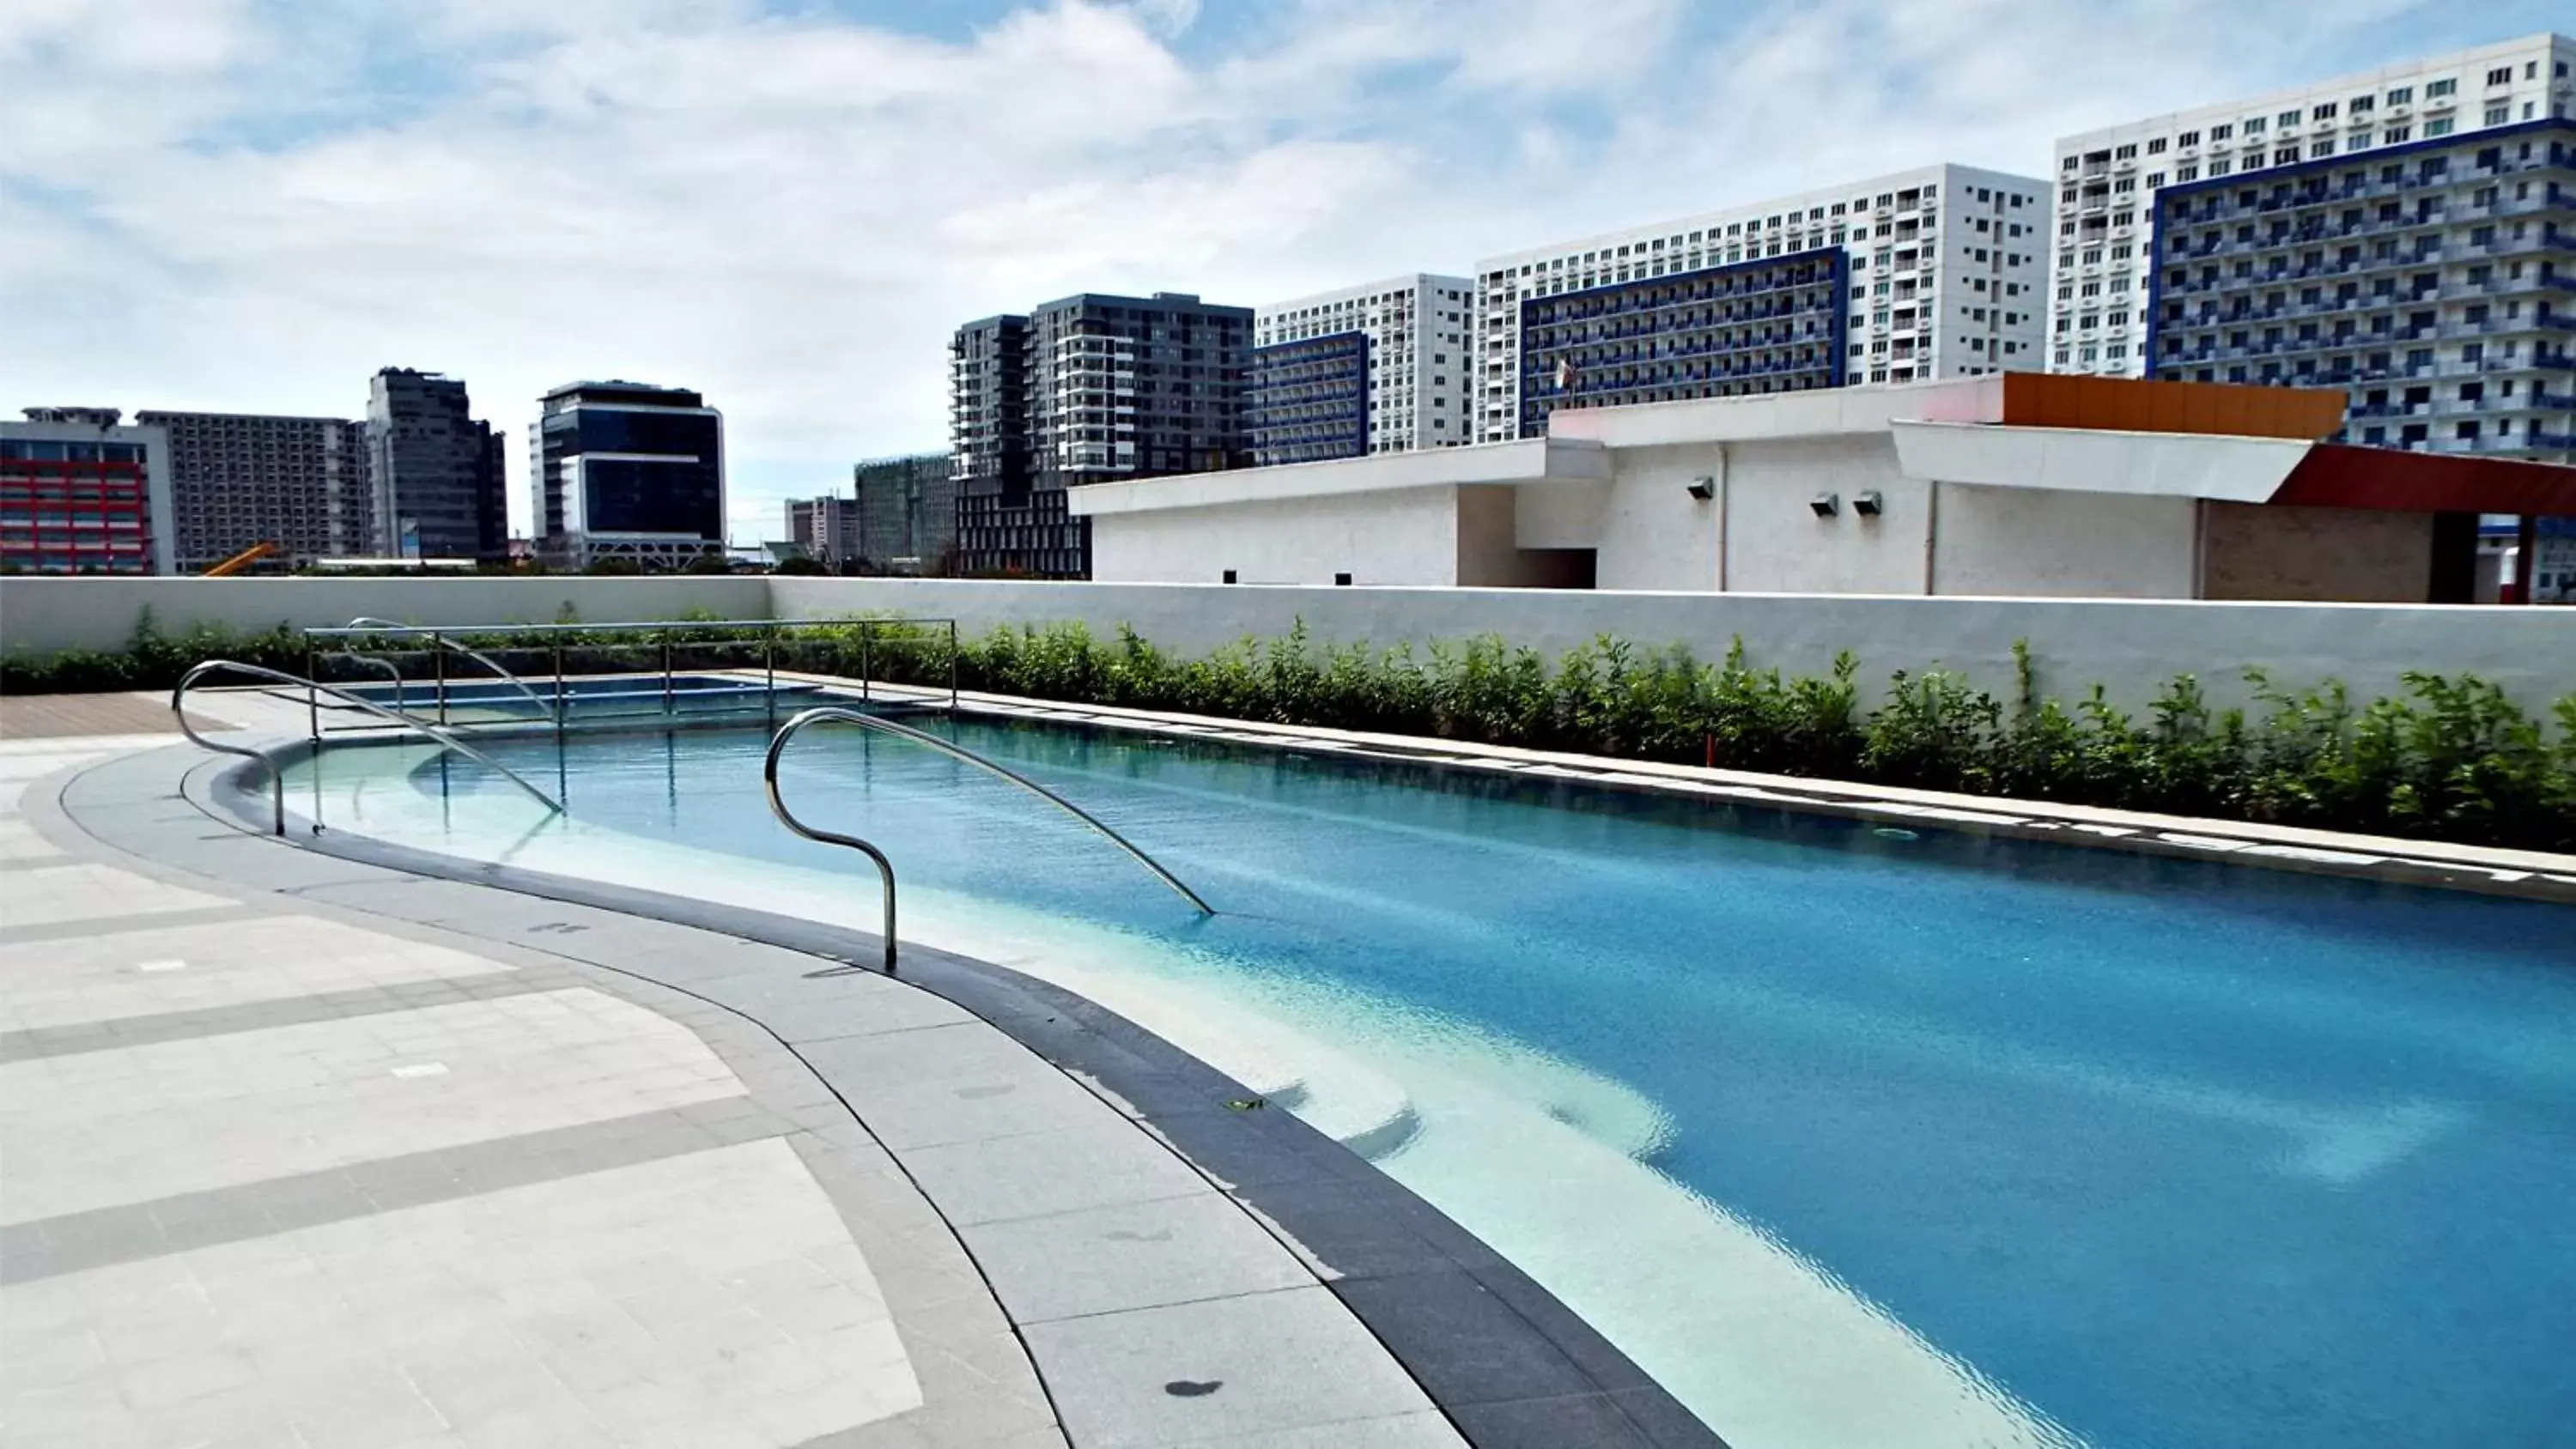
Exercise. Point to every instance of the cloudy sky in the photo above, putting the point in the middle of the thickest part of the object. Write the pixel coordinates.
(251, 205)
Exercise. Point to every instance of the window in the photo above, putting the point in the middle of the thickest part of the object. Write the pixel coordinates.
(2395, 135)
(2501, 76)
(2361, 105)
(2435, 90)
(2498, 115)
(2156, 147)
(2221, 132)
(2402, 95)
(2186, 172)
(2435, 128)
(2253, 125)
(2289, 120)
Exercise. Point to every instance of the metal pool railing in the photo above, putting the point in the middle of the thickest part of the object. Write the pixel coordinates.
(655, 649)
(831, 714)
(313, 689)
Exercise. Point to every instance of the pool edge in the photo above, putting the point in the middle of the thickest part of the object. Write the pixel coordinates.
(1452, 1311)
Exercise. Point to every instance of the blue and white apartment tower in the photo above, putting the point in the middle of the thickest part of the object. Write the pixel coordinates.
(2408, 234)
(1380, 368)
(1929, 273)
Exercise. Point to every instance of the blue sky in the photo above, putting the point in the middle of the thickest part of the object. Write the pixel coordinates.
(253, 204)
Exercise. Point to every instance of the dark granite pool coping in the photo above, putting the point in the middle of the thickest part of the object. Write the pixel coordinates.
(1509, 1364)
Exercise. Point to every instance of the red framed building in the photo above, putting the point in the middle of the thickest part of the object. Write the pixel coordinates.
(79, 494)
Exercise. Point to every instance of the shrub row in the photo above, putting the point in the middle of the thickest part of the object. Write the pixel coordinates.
(2449, 757)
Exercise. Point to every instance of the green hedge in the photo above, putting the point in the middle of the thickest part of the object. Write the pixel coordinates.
(2450, 757)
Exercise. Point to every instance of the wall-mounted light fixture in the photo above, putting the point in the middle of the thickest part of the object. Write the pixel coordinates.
(1826, 505)
(1703, 488)
(1869, 504)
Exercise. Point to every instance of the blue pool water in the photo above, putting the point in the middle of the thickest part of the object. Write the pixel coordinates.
(2090, 1148)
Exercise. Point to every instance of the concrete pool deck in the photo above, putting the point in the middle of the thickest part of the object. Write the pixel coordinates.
(311, 1149)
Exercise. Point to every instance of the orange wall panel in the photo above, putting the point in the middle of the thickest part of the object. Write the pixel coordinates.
(2044, 400)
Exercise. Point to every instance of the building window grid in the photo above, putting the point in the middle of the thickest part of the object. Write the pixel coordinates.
(2358, 316)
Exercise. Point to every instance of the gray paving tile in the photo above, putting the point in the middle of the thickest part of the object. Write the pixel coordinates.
(1130, 1255)
(1463, 1343)
(1092, 1165)
(1265, 1363)
(1424, 1430)
(1587, 1419)
(952, 1084)
(75, 1241)
(52, 1041)
(153, 921)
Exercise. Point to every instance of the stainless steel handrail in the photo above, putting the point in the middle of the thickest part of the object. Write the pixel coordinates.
(392, 670)
(277, 777)
(441, 641)
(885, 868)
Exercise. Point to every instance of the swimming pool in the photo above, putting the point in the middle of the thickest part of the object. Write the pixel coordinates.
(1849, 1137)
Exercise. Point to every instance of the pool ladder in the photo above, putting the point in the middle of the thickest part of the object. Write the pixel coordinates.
(833, 714)
(277, 777)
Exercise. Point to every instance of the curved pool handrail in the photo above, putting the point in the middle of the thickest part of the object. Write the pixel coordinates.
(441, 641)
(277, 777)
(885, 868)
(392, 671)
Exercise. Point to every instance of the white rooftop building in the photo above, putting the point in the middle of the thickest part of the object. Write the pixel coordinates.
(2017, 485)
(1930, 273)
(1376, 368)
(2103, 223)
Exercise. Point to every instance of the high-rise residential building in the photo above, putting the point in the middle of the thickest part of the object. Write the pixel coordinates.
(2347, 219)
(907, 513)
(826, 529)
(1380, 368)
(626, 470)
(434, 471)
(240, 479)
(81, 494)
(1087, 389)
(1929, 273)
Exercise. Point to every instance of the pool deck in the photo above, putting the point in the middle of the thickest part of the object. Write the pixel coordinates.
(311, 1149)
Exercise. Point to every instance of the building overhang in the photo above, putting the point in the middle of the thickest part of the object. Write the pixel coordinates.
(1532, 460)
(2229, 469)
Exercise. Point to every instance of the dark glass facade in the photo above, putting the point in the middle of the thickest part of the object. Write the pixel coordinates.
(616, 461)
(434, 471)
(1085, 390)
(1768, 326)
(2435, 282)
(1310, 399)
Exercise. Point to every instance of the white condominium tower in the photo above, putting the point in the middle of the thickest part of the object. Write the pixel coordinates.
(1929, 273)
(1380, 368)
(2105, 224)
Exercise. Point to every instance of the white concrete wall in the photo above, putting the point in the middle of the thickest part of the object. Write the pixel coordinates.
(1775, 543)
(2130, 646)
(100, 613)
(1406, 536)
(2067, 545)
(1654, 534)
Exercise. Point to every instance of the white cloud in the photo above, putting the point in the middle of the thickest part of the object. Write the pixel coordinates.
(211, 204)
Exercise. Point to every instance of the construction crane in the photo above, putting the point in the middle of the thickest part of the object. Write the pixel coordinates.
(242, 560)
